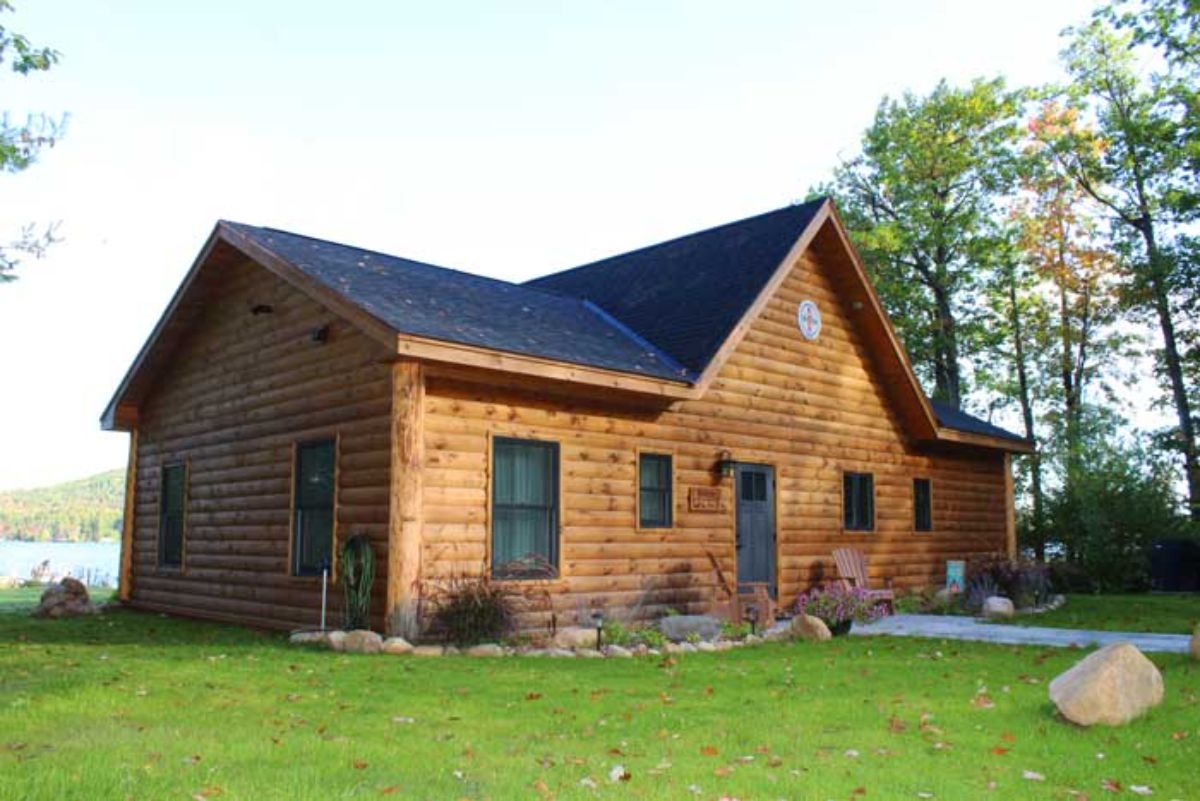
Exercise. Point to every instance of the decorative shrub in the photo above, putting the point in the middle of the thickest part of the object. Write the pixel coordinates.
(357, 568)
(1026, 583)
(837, 604)
(473, 610)
(615, 633)
(928, 602)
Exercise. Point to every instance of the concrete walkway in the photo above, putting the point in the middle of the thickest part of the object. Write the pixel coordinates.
(952, 627)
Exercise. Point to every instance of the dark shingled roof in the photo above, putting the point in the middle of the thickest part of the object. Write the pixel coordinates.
(662, 311)
(427, 301)
(686, 295)
(959, 420)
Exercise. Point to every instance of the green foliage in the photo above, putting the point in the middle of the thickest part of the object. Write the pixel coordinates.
(921, 201)
(86, 510)
(1024, 582)
(616, 633)
(473, 610)
(1109, 514)
(20, 144)
(357, 567)
(735, 631)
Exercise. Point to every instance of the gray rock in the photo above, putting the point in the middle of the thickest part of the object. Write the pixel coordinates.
(998, 608)
(672, 648)
(309, 638)
(67, 598)
(362, 641)
(810, 629)
(336, 640)
(706, 646)
(725, 645)
(752, 639)
(1111, 687)
(678, 627)
(563, 653)
(397, 646)
(588, 653)
(617, 651)
(575, 637)
(687, 647)
(487, 649)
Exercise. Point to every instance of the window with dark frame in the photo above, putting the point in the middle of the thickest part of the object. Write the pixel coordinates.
(858, 501)
(525, 511)
(922, 504)
(654, 490)
(171, 510)
(312, 513)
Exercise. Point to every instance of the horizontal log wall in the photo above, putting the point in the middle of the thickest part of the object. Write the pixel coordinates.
(810, 409)
(241, 389)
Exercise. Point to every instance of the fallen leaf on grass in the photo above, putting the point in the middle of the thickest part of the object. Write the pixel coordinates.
(896, 725)
(723, 771)
(403, 719)
(1140, 789)
(389, 790)
(359, 764)
(1000, 750)
(983, 701)
(531, 696)
(1149, 760)
(1178, 735)
(1110, 786)
(709, 750)
(1032, 776)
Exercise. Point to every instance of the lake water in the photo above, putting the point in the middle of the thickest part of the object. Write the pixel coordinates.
(97, 563)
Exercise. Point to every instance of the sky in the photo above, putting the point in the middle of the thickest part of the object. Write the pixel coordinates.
(508, 139)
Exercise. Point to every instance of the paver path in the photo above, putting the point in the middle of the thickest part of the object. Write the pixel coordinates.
(953, 627)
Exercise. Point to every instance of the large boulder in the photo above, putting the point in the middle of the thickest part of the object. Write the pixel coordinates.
(362, 641)
(678, 628)
(1194, 648)
(485, 649)
(575, 637)
(997, 608)
(1110, 687)
(810, 628)
(67, 598)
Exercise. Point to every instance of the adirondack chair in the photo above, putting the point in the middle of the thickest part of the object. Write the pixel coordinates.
(738, 599)
(852, 572)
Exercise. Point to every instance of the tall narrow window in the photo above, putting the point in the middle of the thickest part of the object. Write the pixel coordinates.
(858, 501)
(524, 508)
(922, 505)
(312, 515)
(171, 511)
(654, 490)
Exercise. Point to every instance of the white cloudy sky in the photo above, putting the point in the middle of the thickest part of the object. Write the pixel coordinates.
(506, 138)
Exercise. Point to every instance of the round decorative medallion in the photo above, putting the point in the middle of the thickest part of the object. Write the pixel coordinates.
(808, 317)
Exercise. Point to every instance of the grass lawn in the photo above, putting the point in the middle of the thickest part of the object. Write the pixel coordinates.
(1167, 613)
(137, 706)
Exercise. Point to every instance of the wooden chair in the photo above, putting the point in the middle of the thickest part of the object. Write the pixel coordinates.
(852, 572)
(755, 594)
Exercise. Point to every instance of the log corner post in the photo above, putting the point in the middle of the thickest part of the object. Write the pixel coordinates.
(1010, 509)
(405, 518)
(125, 580)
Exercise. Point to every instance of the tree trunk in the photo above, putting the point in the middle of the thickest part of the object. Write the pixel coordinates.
(1035, 458)
(1187, 430)
(947, 376)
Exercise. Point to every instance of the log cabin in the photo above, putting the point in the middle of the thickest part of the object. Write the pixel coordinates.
(624, 434)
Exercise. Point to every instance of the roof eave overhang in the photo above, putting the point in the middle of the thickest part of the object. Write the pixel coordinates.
(954, 436)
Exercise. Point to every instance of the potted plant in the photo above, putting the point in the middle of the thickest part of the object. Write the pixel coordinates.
(839, 606)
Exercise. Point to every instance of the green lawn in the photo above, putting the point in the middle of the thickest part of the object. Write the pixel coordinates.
(136, 706)
(1166, 613)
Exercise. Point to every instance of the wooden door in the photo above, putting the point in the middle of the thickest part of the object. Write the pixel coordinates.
(755, 503)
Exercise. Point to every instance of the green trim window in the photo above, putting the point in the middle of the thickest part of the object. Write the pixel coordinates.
(654, 490)
(922, 504)
(171, 511)
(858, 501)
(312, 512)
(525, 514)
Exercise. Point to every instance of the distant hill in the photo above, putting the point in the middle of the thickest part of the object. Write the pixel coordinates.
(84, 510)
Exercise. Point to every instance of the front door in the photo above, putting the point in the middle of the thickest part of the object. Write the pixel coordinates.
(755, 492)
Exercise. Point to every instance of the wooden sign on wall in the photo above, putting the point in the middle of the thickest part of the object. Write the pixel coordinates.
(704, 499)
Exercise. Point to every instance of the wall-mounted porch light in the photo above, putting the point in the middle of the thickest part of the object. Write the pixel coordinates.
(725, 464)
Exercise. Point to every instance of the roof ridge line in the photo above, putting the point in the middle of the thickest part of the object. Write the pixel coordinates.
(430, 265)
(658, 352)
(675, 239)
